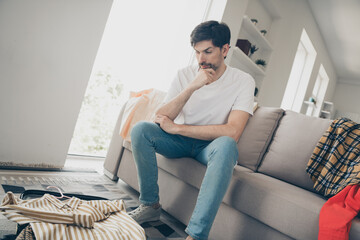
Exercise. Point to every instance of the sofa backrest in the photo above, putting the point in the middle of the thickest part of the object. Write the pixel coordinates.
(291, 148)
(257, 136)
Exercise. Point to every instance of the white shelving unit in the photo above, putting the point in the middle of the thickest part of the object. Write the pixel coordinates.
(243, 61)
(309, 103)
(255, 34)
(327, 110)
(265, 13)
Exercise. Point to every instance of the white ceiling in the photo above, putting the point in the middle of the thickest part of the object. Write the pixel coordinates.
(339, 23)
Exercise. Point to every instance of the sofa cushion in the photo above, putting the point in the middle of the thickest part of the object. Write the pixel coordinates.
(287, 208)
(179, 167)
(257, 136)
(291, 148)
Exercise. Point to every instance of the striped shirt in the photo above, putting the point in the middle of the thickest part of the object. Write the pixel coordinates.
(335, 162)
(73, 218)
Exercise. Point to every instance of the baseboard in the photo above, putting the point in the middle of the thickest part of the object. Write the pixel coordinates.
(30, 168)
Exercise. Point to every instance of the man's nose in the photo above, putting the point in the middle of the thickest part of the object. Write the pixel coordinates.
(202, 57)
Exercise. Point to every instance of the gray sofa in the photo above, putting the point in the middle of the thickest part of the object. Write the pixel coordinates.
(270, 195)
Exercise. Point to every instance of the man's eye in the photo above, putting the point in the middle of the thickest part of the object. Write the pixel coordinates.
(208, 52)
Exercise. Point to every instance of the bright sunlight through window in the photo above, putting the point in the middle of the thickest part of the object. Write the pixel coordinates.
(144, 44)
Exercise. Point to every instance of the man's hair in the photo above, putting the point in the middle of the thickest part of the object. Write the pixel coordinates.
(218, 33)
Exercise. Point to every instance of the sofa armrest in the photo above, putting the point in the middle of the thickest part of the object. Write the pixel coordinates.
(113, 156)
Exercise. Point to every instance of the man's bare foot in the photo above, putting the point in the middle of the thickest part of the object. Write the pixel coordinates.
(189, 238)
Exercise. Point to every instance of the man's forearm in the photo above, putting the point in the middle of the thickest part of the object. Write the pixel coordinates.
(233, 128)
(207, 132)
(174, 107)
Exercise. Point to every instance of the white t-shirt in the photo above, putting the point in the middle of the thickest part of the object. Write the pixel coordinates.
(212, 103)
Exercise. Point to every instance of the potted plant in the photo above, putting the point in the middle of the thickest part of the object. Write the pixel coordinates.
(254, 21)
(253, 49)
(263, 32)
(313, 100)
(261, 63)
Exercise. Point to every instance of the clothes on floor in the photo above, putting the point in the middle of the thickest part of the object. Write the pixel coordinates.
(335, 162)
(73, 218)
(26, 234)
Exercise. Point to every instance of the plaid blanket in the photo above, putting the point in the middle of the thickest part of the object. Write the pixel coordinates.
(335, 162)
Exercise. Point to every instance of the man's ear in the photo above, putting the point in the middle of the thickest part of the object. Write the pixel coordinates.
(225, 49)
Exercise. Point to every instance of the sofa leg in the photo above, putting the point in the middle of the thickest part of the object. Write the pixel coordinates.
(110, 175)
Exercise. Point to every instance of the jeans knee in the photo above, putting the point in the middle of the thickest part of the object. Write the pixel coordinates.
(139, 129)
(227, 147)
(227, 143)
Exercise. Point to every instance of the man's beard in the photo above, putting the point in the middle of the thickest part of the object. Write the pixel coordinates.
(207, 66)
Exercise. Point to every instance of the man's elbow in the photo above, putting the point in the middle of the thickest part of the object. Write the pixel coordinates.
(235, 135)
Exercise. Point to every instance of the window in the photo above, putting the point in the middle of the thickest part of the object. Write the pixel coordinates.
(299, 75)
(144, 44)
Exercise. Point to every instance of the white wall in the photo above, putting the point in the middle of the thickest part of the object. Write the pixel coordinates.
(47, 49)
(347, 99)
(295, 15)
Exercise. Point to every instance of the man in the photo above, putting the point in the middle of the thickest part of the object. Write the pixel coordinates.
(205, 112)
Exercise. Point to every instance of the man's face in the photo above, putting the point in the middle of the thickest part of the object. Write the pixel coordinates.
(210, 56)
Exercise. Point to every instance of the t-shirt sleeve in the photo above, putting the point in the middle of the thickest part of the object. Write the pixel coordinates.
(174, 90)
(245, 99)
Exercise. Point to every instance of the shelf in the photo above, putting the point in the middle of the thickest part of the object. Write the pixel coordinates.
(255, 34)
(325, 114)
(309, 103)
(328, 106)
(328, 103)
(247, 63)
(265, 11)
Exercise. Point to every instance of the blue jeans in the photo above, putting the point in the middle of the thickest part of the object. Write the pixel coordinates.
(220, 156)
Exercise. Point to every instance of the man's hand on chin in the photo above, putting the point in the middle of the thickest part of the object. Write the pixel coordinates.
(205, 76)
(166, 124)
